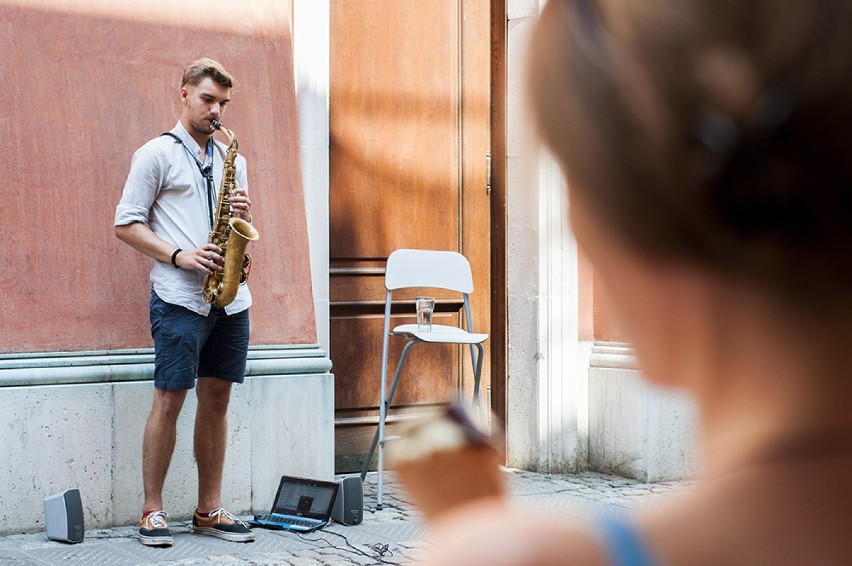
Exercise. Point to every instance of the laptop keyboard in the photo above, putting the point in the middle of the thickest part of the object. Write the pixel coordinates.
(288, 519)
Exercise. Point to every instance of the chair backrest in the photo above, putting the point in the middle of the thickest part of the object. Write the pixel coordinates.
(428, 268)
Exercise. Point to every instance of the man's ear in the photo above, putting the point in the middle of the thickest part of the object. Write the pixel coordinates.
(184, 93)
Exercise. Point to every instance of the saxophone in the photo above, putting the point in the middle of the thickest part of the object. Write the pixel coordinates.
(232, 235)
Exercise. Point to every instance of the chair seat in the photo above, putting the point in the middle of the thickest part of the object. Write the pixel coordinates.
(441, 334)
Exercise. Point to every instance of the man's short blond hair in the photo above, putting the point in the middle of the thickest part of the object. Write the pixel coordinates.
(196, 71)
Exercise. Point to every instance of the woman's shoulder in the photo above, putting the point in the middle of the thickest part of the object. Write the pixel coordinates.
(780, 514)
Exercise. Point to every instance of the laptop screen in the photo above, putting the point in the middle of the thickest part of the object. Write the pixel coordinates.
(305, 497)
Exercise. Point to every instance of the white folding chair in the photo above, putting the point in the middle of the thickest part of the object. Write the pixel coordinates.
(408, 269)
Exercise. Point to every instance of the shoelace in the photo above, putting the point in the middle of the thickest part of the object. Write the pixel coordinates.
(157, 520)
(220, 512)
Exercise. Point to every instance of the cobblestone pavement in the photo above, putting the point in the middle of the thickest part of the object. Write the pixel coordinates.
(393, 535)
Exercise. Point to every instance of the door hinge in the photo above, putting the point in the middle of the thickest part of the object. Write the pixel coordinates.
(488, 173)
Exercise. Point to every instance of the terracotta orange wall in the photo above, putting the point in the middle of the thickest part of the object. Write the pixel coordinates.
(596, 321)
(85, 83)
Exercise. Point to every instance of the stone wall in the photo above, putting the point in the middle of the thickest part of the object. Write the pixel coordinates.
(88, 82)
(76, 421)
(636, 429)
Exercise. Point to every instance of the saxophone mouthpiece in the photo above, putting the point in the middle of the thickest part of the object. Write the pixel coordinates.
(216, 124)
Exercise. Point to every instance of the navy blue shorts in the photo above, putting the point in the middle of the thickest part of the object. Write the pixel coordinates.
(188, 345)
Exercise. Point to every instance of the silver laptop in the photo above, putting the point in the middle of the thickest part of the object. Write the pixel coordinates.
(301, 505)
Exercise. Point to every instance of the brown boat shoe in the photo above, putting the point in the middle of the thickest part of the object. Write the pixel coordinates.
(222, 524)
(154, 530)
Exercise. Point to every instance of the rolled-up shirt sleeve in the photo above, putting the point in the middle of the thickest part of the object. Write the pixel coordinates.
(140, 190)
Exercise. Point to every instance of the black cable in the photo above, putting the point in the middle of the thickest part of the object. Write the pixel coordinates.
(380, 549)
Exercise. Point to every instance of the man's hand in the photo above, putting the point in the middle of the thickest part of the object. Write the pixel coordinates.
(241, 204)
(206, 259)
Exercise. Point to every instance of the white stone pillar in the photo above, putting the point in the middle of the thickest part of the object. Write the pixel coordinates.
(311, 65)
(547, 377)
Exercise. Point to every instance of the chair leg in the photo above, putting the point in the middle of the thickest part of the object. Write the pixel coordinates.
(476, 360)
(383, 410)
(366, 467)
(379, 436)
(478, 405)
(402, 357)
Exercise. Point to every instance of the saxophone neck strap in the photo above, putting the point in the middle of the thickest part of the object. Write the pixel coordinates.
(206, 170)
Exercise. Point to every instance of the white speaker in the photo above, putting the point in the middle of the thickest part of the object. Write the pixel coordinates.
(63, 516)
(349, 503)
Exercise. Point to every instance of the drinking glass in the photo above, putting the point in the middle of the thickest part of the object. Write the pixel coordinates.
(425, 308)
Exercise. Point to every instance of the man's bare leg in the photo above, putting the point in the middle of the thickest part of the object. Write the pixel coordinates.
(211, 433)
(158, 445)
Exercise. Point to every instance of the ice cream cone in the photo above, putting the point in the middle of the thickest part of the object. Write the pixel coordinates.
(444, 463)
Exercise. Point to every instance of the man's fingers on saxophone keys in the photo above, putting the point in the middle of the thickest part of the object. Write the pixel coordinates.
(211, 253)
(208, 266)
(215, 262)
(208, 259)
(240, 202)
(211, 248)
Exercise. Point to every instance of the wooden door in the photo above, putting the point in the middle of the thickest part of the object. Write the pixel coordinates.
(409, 127)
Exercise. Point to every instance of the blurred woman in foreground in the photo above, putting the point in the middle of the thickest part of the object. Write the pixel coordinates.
(707, 146)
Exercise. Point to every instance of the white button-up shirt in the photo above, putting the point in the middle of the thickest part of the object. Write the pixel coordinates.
(166, 191)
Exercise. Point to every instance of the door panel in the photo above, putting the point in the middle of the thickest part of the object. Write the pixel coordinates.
(364, 370)
(394, 112)
(409, 132)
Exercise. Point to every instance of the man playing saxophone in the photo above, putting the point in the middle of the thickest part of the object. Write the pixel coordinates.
(166, 212)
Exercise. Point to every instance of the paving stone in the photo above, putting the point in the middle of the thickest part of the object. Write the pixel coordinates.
(398, 525)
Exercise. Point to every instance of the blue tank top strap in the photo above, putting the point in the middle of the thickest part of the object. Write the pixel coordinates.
(623, 542)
